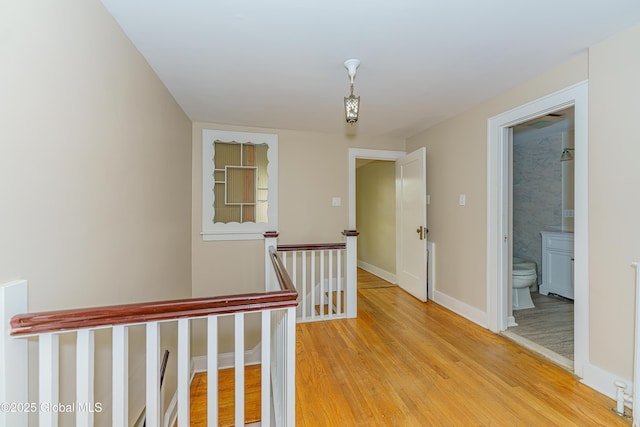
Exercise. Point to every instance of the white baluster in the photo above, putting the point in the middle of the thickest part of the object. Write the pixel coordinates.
(304, 293)
(14, 354)
(339, 308)
(289, 358)
(49, 379)
(85, 354)
(322, 255)
(277, 361)
(239, 368)
(265, 370)
(313, 284)
(330, 279)
(212, 371)
(294, 268)
(636, 355)
(351, 271)
(153, 374)
(120, 376)
(184, 372)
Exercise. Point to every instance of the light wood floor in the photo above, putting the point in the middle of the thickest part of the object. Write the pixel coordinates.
(407, 363)
(226, 399)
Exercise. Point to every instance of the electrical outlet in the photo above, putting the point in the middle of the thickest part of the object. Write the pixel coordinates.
(336, 201)
(462, 200)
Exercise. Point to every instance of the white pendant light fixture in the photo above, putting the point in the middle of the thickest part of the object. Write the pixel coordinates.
(352, 103)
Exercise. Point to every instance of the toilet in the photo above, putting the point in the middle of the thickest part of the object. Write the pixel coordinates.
(523, 276)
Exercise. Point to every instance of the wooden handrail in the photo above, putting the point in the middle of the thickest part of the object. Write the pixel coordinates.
(311, 247)
(281, 272)
(317, 246)
(61, 320)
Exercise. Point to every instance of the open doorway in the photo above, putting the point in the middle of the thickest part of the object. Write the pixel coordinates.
(379, 227)
(542, 210)
(498, 213)
(376, 217)
(410, 210)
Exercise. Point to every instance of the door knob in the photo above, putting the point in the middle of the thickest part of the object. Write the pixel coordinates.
(421, 232)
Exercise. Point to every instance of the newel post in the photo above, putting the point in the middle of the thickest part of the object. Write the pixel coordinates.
(351, 273)
(14, 377)
(270, 239)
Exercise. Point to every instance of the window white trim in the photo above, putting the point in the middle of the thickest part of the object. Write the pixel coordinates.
(235, 230)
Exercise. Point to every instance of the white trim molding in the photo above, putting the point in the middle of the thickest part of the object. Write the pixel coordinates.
(603, 381)
(498, 213)
(463, 309)
(377, 271)
(235, 230)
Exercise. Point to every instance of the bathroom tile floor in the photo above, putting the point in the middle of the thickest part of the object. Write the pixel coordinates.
(549, 324)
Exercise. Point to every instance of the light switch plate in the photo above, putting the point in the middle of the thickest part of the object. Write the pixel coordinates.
(336, 201)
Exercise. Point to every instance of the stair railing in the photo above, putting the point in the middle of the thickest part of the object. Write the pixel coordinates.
(277, 305)
(324, 274)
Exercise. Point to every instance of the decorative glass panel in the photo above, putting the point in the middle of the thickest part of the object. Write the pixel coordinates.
(239, 184)
(240, 169)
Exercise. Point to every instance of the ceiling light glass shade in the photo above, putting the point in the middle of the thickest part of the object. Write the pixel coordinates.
(352, 103)
(351, 107)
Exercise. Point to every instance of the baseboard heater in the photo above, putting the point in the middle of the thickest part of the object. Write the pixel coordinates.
(622, 397)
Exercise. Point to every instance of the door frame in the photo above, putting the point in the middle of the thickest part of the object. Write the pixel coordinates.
(368, 154)
(364, 153)
(498, 215)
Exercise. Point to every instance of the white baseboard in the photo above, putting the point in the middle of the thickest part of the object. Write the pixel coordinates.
(463, 309)
(199, 364)
(377, 271)
(226, 360)
(141, 419)
(603, 381)
(593, 376)
(171, 414)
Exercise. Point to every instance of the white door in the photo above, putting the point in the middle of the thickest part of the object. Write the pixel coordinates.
(411, 222)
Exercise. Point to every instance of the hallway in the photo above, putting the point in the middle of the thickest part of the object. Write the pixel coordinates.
(407, 363)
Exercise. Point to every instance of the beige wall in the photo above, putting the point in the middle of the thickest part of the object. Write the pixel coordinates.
(376, 214)
(95, 170)
(96, 178)
(614, 201)
(457, 164)
(313, 168)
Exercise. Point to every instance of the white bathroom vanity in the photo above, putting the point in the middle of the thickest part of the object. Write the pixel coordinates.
(557, 263)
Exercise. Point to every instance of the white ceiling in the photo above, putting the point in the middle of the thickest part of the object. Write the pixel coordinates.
(279, 64)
